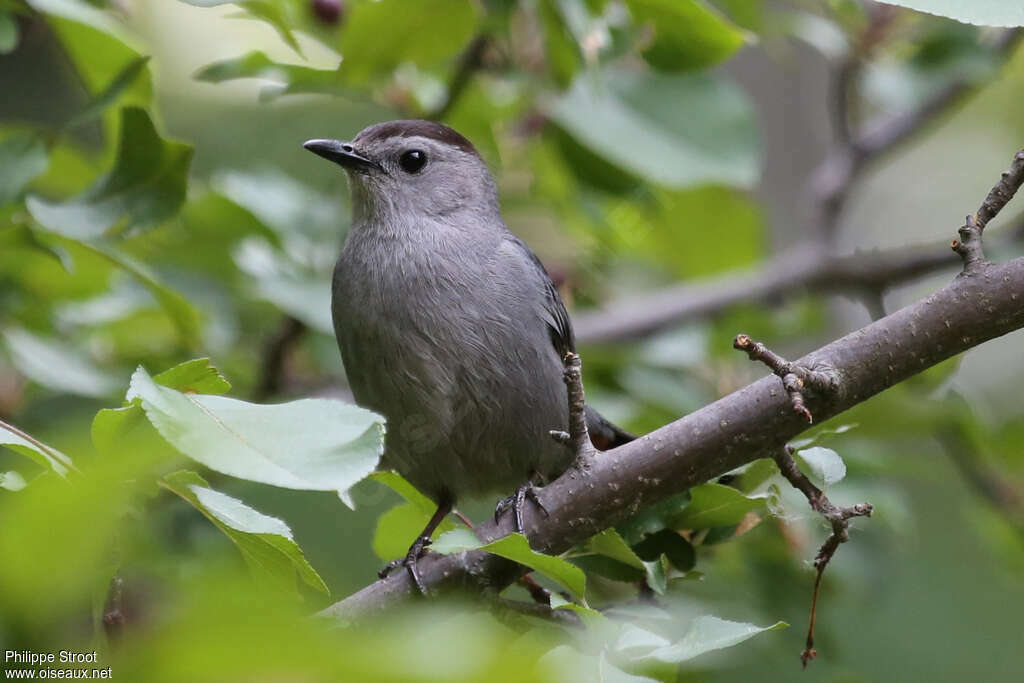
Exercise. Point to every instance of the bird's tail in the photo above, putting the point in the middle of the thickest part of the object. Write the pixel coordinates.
(603, 434)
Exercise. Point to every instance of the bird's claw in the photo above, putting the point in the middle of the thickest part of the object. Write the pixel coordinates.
(516, 502)
(417, 550)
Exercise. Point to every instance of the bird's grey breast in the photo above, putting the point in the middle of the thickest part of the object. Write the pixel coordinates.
(444, 333)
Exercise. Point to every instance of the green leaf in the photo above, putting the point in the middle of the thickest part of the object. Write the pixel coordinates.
(8, 33)
(457, 540)
(123, 431)
(290, 287)
(399, 485)
(22, 158)
(567, 663)
(379, 36)
(682, 130)
(310, 444)
(399, 526)
(146, 186)
(121, 82)
(97, 47)
(21, 236)
(687, 34)
(12, 481)
(127, 430)
(26, 444)
(185, 318)
(657, 575)
(752, 475)
(293, 210)
(77, 11)
(590, 617)
(274, 13)
(669, 544)
(981, 12)
(601, 565)
(265, 542)
(69, 527)
(653, 518)
(515, 547)
(196, 376)
(824, 465)
(307, 299)
(714, 505)
(648, 228)
(707, 633)
(610, 544)
(636, 640)
(561, 49)
(56, 365)
(256, 64)
(821, 435)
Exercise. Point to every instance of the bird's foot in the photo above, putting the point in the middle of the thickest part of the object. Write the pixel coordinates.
(516, 502)
(417, 550)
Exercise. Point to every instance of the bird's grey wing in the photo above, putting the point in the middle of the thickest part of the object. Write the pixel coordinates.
(603, 434)
(552, 309)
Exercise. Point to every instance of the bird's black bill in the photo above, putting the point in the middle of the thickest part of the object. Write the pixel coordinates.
(342, 153)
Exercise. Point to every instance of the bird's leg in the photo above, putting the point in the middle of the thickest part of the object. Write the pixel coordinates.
(419, 547)
(517, 501)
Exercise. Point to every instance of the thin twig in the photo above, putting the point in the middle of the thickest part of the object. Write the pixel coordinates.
(114, 611)
(1003, 191)
(833, 178)
(795, 378)
(578, 436)
(969, 246)
(838, 517)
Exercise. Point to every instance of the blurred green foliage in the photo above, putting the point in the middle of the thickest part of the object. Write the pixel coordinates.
(143, 277)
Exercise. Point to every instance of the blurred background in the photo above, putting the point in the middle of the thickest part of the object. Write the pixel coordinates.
(156, 205)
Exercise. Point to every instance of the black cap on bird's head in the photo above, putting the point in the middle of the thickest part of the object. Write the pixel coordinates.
(358, 156)
(412, 168)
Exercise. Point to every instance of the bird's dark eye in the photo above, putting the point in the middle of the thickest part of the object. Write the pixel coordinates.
(413, 161)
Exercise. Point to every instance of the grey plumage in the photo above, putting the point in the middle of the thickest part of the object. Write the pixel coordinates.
(448, 324)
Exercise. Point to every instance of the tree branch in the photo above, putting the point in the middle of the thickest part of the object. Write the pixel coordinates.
(803, 268)
(276, 351)
(751, 423)
(469, 62)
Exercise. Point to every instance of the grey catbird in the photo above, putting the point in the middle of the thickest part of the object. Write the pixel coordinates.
(448, 324)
